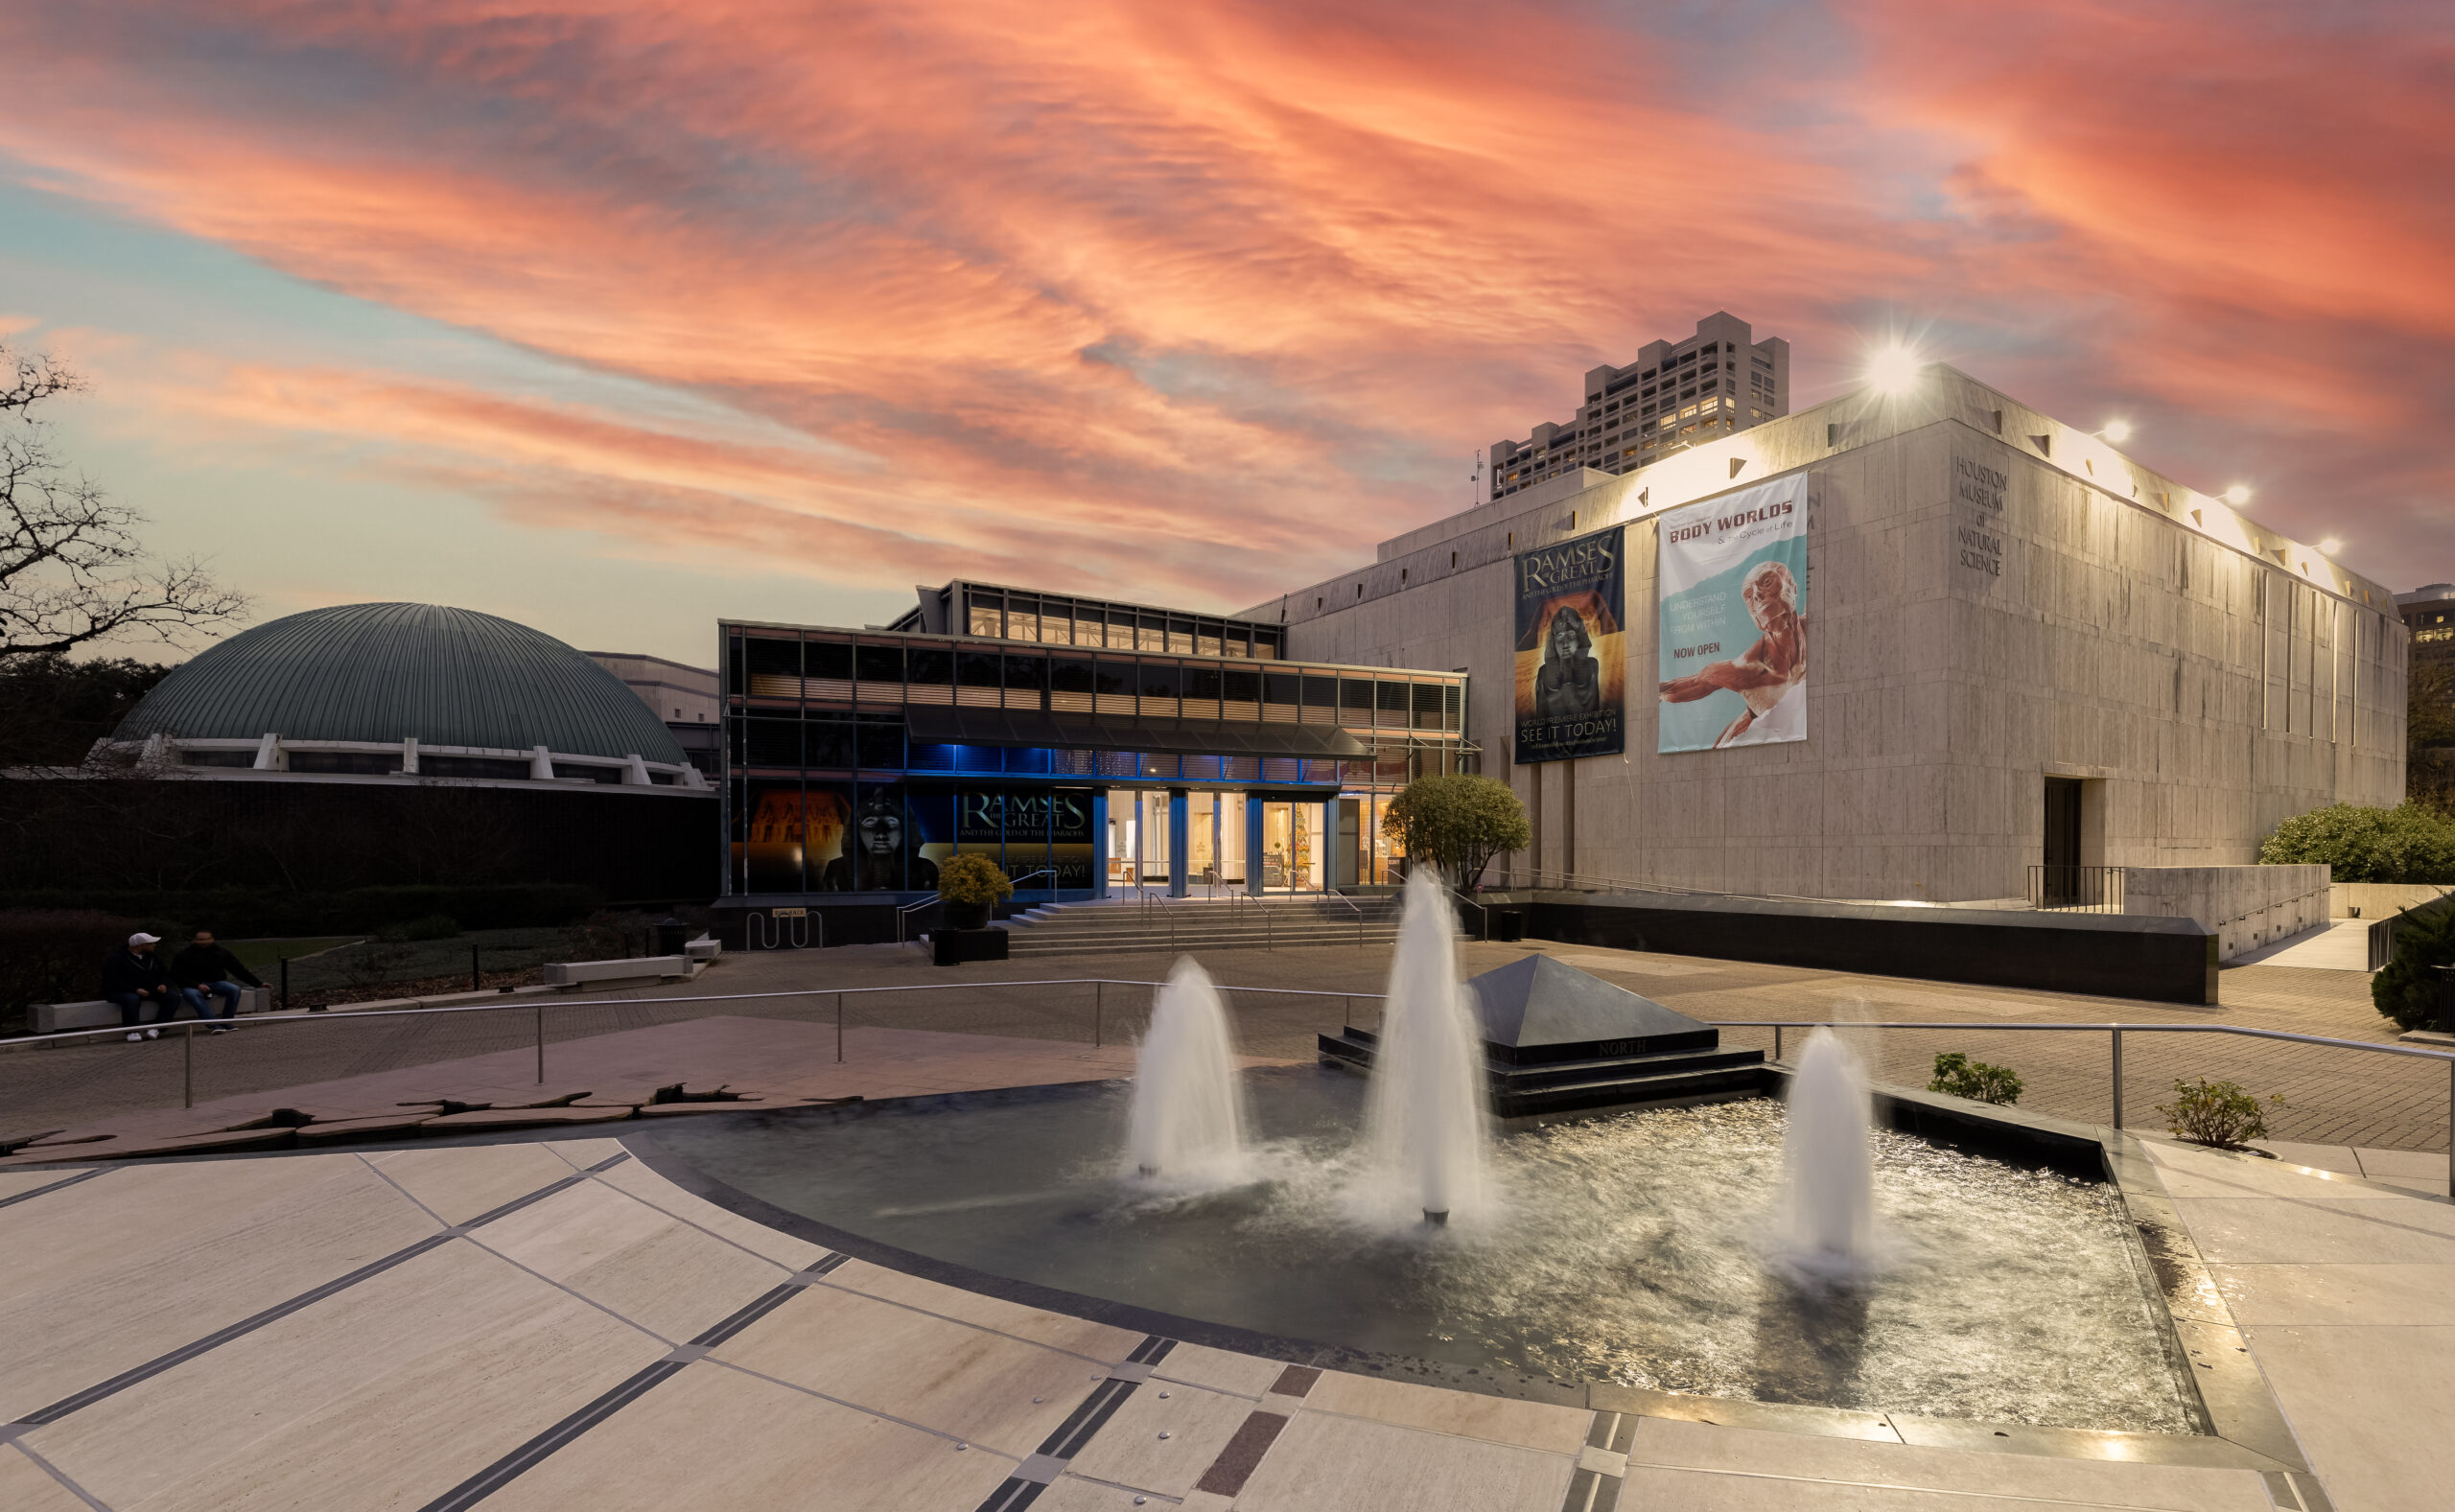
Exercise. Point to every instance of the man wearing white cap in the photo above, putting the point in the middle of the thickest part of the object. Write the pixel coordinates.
(134, 976)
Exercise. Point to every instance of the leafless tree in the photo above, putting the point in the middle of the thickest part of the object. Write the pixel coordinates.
(71, 568)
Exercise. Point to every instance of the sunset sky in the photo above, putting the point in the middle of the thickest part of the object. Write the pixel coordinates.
(615, 317)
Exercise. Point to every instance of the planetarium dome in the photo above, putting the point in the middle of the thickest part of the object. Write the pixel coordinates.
(404, 692)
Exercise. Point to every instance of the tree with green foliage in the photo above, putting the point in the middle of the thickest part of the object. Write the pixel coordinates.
(52, 710)
(972, 879)
(2407, 988)
(2409, 843)
(1457, 823)
(2429, 734)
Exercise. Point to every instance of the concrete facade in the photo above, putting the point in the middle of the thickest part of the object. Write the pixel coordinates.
(1994, 598)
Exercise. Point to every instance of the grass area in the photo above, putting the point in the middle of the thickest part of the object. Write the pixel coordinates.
(262, 957)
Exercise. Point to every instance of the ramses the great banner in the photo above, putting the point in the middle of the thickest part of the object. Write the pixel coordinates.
(1732, 635)
(1572, 653)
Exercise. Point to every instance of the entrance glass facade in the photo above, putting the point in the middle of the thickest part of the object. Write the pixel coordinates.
(856, 762)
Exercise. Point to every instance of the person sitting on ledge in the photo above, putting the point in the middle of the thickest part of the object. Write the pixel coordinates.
(205, 970)
(133, 976)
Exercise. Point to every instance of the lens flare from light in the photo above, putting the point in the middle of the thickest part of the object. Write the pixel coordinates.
(2330, 546)
(2238, 494)
(2116, 432)
(1894, 369)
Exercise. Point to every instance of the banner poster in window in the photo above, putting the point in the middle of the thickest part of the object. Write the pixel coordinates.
(884, 853)
(1732, 636)
(1070, 836)
(1571, 653)
(792, 835)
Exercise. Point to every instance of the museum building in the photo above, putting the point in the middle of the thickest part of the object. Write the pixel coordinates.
(1086, 746)
(2032, 658)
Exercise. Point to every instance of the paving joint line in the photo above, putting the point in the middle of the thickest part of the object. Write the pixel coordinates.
(139, 1374)
(62, 1475)
(46, 1190)
(1056, 1452)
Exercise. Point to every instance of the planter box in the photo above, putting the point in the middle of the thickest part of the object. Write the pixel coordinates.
(951, 947)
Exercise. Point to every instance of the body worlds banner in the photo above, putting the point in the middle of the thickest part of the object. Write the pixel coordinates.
(1572, 652)
(1733, 631)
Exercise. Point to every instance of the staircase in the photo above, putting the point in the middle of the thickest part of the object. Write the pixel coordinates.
(1246, 923)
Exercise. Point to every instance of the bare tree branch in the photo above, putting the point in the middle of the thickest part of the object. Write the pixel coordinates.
(72, 569)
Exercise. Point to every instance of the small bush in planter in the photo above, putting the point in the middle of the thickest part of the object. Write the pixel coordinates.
(1958, 1076)
(2218, 1113)
(969, 885)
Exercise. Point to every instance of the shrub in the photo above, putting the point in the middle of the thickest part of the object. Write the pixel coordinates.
(2217, 1113)
(972, 878)
(2407, 988)
(1958, 1076)
(1457, 823)
(2409, 843)
(56, 956)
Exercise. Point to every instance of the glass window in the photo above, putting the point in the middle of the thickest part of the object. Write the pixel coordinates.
(1114, 678)
(1355, 698)
(1203, 682)
(828, 658)
(879, 663)
(1025, 674)
(739, 674)
(1121, 630)
(1181, 636)
(1391, 700)
(1320, 691)
(1070, 683)
(1427, 705)
(827, 741)
(1154, 633)
(931, 666)
(1452, 707)
(880, 741)
(1159, 680)
(775, 742)
(1280, 687)
(972, 668)
(988, 616)
(1241, 687)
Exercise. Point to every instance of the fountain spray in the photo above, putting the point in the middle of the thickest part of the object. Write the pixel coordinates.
(1427, 1123)
(1187, 1117)
(1828, 1164)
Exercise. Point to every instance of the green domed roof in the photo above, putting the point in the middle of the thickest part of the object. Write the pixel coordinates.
(384, 672)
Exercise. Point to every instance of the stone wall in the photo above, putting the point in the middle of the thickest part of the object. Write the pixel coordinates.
(2245, 907)
(2382, 899)
(2117, 628)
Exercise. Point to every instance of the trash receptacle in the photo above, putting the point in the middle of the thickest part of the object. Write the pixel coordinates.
(671, 935)
(1508, 924)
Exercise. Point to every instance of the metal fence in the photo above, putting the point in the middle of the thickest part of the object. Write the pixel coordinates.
(57, 1080)
(2076, 889)
(2382, 934)
(366, 969)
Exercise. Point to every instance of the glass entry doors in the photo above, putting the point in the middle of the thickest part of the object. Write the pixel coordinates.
(1291, 848)
(1138, 846)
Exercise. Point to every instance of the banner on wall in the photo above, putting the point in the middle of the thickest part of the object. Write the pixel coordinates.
(1572, 652)
(1732, 633)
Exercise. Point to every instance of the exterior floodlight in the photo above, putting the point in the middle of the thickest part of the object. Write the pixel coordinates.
(2116, 432)
(2238, 494)
(2330, 546)
(1894, 370)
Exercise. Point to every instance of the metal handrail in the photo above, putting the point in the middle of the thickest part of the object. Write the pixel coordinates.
(2115, 1032)
(1150, 900)
(1352, 908)
(907, 908)
(1484, 909)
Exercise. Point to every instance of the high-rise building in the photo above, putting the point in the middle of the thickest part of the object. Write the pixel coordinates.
(2429, 614)
(1675, 394)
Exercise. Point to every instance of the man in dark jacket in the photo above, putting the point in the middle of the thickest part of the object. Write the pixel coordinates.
(134, 977)
(205, 970)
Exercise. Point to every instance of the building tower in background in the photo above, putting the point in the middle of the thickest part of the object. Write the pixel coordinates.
(1720, 380)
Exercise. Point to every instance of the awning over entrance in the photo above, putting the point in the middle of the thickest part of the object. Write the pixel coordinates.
(1009, 727)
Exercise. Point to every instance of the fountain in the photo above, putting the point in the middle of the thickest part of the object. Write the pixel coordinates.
(1428, 1112)
(1187, 1122)
(1828, 1167)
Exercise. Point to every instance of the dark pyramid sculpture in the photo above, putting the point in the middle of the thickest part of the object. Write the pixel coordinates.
(1558, 1039)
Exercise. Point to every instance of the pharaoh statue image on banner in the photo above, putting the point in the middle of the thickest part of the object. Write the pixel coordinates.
(1571, 655)
(1733, 629)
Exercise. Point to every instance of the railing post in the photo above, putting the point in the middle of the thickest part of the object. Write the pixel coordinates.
(187, 1070)
(1099, 997)
(1777, 1041)
(2450, 1127)
(541, 1041)
(839, 1029)
(2118, 1079)
(285, 984)
(475, 984)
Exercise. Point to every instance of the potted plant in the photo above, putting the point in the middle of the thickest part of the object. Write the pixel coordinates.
(969, 885)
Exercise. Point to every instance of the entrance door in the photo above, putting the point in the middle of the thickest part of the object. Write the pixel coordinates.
(2061, 887)
(1291, 849)
(1348, 851)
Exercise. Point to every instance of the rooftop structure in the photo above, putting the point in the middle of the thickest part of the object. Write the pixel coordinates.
(1675, 394)
(2429, 614)
(1020, 614)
